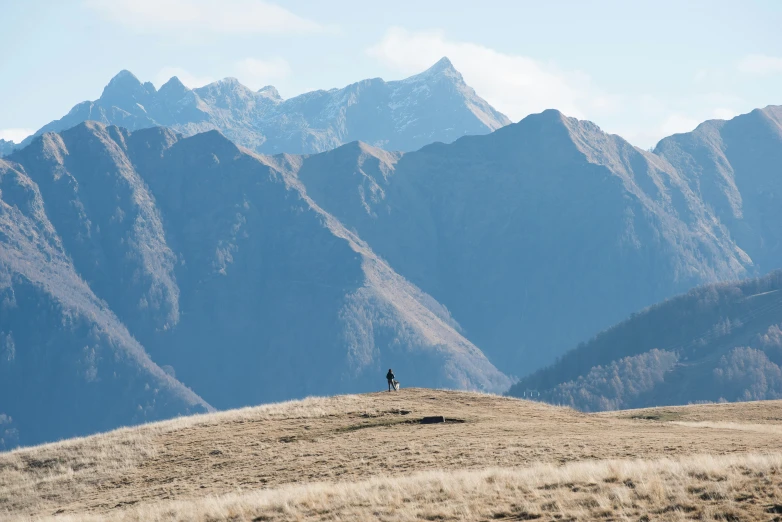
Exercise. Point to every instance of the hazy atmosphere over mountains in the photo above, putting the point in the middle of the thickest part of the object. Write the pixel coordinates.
(251, 278)
(351, 260)
(217, 262)
(180, 244)
(535, 236)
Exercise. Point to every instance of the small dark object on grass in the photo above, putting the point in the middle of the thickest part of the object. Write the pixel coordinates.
(433, 420)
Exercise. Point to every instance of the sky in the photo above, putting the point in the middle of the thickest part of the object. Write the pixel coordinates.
(640, 69)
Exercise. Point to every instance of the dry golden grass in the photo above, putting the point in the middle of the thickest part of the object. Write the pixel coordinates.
(737, 487)
(363, 457)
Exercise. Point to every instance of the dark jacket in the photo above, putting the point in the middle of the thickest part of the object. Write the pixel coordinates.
(390, 376)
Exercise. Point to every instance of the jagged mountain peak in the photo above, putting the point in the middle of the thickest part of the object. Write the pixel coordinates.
(230, 80)
(124, 76)
(48, 146)
(359, 151)
(126, 84)
(228, 87)
(173, 86)
(212, 144)
(227, 83)
(271, 92)
(6, 147)
(541, 126)
(709, 132)
(543, 118)
(85, 130)
(123, 98)
(443, 65)
(435, 105)
(442, 69)
(586, 135)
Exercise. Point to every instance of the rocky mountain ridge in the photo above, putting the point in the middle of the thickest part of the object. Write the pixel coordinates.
(546, 219)
(435, 105)
(68, 366)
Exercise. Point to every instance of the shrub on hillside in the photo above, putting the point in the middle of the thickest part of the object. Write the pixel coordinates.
(747, 374)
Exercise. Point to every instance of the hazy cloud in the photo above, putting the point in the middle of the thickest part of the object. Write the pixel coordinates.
(189, 80)
(258, 73)
(520, 85)
(516, 85)
(677, 123)
(761, 64)
(217, 16)
(724, 113)
(15, 135)
(252, 72)
(665, 121)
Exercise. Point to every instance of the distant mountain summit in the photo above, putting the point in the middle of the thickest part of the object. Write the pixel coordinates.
(734, 166)
(435, 105)
(6, 147)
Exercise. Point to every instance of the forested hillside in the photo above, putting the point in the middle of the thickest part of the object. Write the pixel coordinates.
(717, 342)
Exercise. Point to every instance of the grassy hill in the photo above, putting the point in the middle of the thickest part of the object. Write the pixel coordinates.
(360, 457)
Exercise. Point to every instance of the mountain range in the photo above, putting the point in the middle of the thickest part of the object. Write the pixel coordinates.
(170, 269)
(217, 262)
(535, 236)
(435, 105)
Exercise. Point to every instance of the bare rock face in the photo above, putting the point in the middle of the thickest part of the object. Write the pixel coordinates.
(435, 105)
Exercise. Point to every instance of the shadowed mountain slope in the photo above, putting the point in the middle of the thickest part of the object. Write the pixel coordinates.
(67, 366)
(717, 342)
(534, 236)
(735, 167)
(234, 280)
(435, 105)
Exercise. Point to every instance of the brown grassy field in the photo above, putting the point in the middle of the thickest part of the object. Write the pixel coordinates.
(365, 457)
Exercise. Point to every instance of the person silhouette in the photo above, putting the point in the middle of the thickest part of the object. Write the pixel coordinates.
(390, 379)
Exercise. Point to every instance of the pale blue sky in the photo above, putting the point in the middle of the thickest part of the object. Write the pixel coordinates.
(639, 69)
